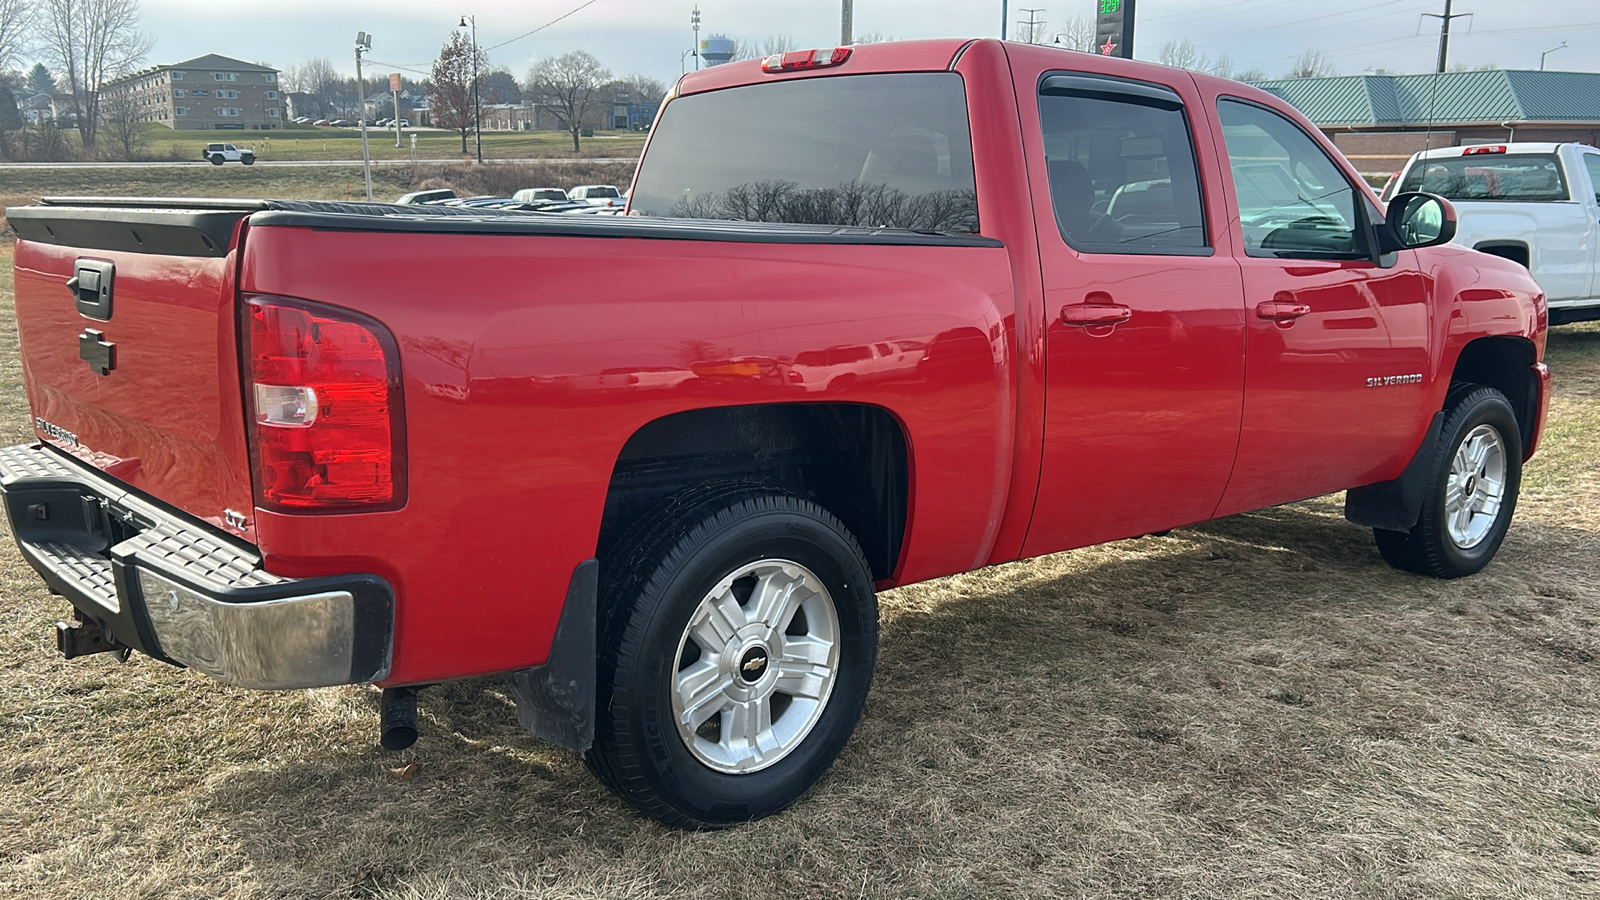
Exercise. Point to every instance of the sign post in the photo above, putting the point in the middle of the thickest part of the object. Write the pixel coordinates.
(1113, 28)
(394, 88)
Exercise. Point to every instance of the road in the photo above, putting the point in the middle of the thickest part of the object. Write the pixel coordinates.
(314, 162)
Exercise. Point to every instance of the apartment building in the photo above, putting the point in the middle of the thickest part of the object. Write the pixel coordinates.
(207, 93)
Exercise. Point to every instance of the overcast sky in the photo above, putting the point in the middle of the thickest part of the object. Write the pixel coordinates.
(649, 36)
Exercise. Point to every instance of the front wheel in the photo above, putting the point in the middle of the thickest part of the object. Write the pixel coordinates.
(248, 160)
(1471, 492)
(737, 648)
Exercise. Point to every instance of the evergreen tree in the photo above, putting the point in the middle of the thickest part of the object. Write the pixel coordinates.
(10, 119)
(40, 81)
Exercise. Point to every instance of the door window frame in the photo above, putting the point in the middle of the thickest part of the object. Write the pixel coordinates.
(1116, 89)
(1363, 208)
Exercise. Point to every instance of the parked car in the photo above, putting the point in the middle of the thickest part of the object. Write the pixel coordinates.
(541, 195)
(597, 195)
(399, 123)
(658, 482)
(1536, 204)
(217, 154)
(301, 120)
(322, 122)
(423, 197)
(384, 122)
(342, 123)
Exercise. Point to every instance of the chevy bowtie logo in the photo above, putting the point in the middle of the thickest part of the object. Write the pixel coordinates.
(99, 353)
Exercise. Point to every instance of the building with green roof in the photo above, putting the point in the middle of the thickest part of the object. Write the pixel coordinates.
(1380, 120)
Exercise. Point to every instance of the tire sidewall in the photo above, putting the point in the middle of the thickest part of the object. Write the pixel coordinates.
(682, 780)
(1486, 408)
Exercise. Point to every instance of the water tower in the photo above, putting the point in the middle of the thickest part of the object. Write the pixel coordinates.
(717, 49)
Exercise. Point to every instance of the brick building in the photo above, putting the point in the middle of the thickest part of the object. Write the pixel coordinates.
(1378, 121)
(209, 92)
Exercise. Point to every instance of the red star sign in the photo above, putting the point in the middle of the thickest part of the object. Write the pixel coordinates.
(1107, 47)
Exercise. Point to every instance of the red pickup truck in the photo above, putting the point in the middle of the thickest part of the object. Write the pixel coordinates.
(877, 315)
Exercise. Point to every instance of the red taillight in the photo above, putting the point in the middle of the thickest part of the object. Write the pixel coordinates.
(326, 418)
(805, 59)
(1474, 151)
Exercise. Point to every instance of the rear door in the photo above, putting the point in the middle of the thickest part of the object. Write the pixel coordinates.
(133, 368)
(1591, 167)
(1145, 323)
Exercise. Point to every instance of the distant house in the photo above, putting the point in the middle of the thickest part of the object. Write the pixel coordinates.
(1378, 121)
(208, 92)
(55, 108)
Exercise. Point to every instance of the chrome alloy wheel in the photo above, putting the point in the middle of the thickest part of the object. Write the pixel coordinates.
(755, 666)
(1476, 487)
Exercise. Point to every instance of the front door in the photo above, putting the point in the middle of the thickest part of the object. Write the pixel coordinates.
(1145, 338)
(1337, 359)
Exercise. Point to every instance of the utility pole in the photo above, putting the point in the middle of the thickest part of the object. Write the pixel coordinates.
(695, 21)
(1444, 32)
(1004, 19)
(363, 44)
(847, 24)
(1031, 23)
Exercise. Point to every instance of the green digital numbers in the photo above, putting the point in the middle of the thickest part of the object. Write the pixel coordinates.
(1110, 7)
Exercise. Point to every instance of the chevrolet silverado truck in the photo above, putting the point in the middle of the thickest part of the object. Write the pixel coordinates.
(1535, 204)
(877, 315)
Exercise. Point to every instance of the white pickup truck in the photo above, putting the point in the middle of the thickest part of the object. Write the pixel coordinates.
(1536, 204)
(217, 154)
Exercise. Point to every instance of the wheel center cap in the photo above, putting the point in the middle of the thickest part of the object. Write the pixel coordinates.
(1471, 487)
(753, 664)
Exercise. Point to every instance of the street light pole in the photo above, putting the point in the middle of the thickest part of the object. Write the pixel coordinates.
(477, 105)
(1548, 52)
(363, 44)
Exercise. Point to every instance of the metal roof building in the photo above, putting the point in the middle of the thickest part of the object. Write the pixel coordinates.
(1379, 120)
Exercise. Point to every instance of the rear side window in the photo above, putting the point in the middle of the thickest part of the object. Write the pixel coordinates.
(1489, 176)
(1121, 166)
(876, 150)
(1592, 163)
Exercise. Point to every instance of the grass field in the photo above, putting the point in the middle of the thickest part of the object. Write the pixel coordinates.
(1252, 708)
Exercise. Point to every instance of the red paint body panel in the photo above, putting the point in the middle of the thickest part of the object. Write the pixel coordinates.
(529, 361)
(170, 420)
(520, 393)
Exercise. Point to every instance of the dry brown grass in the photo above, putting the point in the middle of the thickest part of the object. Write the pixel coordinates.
(1255, 707)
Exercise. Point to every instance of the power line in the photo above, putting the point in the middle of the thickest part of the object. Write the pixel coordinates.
(1300, 22)
(519, 37)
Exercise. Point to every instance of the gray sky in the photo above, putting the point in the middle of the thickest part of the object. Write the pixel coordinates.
(648, 36)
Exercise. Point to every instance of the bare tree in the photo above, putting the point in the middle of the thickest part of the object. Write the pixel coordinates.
(1250, 75)
(119, 117)
(452, 103)
(16, 18)
(645, 91)
(777, 43)
(1223, 67)
(874, 37)
(317, 78)
(92, 42)
(1182, 54)
(1076, 33)
(1312, 64)
(569, 86)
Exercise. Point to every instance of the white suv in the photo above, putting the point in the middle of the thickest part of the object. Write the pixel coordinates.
(598, 195)
(221, 153)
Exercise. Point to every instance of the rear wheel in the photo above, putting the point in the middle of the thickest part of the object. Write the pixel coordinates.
(215, 160)
(1471, 493)
(737, 647)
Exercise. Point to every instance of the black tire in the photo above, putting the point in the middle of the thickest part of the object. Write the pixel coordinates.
(248, 160)
(652, 586)
(1428, 548)
(215, 160)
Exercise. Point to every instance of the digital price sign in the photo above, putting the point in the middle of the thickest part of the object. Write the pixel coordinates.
(1113, 28)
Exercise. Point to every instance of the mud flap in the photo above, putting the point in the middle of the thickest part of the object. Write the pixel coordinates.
(1396, 505)
(555, 701)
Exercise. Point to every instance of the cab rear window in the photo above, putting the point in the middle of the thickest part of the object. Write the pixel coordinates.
(876, 150)
(1489, 176)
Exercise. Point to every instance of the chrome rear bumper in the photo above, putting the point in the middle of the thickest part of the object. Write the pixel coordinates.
(158, 581)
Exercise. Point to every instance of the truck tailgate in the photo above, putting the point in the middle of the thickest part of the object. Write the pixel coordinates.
(134, 368)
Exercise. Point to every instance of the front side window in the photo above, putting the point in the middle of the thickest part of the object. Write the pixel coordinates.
(1121, 167)
(1489, 176)
(1293, 201)
(1592, 163)
(877, 150)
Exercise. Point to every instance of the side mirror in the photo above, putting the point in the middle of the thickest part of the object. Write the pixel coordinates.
(1417, 220)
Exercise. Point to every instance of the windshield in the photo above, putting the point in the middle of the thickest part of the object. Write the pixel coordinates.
(1489, 176)
(879, 150)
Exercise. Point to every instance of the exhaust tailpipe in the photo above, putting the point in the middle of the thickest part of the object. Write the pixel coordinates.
(397, 719)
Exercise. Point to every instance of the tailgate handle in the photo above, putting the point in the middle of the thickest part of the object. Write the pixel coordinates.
(90, 285)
